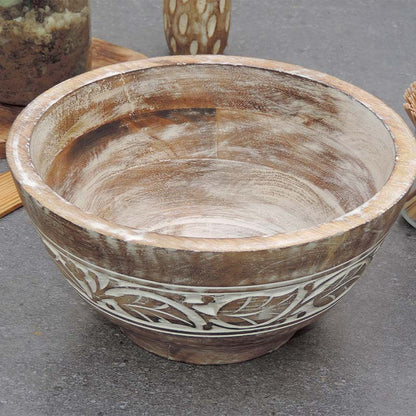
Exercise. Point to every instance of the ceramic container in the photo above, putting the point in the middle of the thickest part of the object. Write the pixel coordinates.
(42, 42)
(211, 206)
(196, 26)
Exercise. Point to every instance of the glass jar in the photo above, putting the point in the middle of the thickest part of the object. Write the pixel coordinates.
(42, 42)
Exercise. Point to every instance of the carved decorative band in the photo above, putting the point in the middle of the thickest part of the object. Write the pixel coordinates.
(207, 311)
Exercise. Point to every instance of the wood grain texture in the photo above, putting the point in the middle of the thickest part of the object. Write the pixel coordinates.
(101, 53)
(9, 197)
(208, 351)
(104, 53)
(225, 173)
(210, 202)
(409, 211)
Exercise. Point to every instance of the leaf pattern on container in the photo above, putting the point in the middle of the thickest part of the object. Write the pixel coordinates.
(85, 281)
(153, 310)
(255, 310)
(336, 289)
(206, 311)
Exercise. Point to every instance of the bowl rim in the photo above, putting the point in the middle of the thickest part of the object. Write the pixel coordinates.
(393, 191)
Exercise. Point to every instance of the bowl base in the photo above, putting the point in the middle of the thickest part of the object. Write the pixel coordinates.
(208, 351)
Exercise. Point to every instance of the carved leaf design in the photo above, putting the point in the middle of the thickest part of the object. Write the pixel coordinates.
(255, 310)
(204, 310)
(98, 285)
(88, 283)
(68, 273)
(76, 271)
(341, 285)
(152, 310)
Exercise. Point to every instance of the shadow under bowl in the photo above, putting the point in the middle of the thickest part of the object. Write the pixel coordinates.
(211, 206)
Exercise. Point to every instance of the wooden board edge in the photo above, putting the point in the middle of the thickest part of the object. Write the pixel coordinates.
(9, 197)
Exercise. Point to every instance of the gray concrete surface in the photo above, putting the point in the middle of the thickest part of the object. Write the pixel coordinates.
(58, 357)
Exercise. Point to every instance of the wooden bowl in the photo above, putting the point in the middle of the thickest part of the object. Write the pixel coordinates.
(211, 206)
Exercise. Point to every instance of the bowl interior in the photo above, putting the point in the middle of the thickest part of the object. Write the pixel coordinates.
(217, 151)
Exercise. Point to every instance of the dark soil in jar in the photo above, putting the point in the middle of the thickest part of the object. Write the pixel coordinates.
(40, 46)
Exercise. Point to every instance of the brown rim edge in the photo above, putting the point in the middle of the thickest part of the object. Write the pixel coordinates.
(399, 183)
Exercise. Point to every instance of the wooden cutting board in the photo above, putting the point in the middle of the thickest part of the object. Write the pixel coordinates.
(9, 198)
(102, 53)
